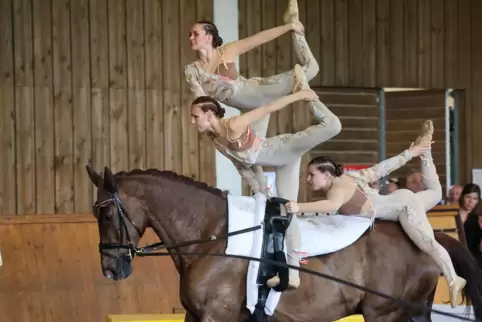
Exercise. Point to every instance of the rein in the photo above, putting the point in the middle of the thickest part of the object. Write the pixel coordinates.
(133, 250)
(401, 302)
(148, 250)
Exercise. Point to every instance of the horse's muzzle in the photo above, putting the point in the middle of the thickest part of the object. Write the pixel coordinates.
(121, 269)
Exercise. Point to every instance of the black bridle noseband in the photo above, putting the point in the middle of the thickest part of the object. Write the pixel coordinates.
(123, 215)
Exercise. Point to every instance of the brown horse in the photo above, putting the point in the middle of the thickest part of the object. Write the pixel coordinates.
(212, 289)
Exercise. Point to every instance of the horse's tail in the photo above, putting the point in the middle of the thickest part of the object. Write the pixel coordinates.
(466, 267)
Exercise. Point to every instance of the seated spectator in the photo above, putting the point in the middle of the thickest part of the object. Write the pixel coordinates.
(454, 193)
(392, 184)
(414, 181)
(469, 218)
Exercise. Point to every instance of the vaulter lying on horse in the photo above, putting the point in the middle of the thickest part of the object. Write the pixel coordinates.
(350, 194)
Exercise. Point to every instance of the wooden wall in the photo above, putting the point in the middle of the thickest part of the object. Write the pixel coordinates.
(93, 81)
(379, 43)
(404, 111)
(51, 272)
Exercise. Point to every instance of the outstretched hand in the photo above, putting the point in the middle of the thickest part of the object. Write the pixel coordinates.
(308, 95)
(298, 27)
(419, 149)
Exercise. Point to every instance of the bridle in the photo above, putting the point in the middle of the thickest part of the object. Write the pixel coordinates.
(144, 251)
(123, 216)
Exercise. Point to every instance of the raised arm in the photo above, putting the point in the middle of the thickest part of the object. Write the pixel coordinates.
(239, 123)
(239, 47)
(194, 86)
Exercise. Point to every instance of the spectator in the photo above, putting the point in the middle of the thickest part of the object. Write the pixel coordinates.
(414, 181)
(470, 220)
(454, 193)
(392, 184)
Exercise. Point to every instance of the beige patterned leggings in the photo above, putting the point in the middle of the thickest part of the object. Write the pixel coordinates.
(433, 193)
(284, 152)
(410, 209)
(258, 91)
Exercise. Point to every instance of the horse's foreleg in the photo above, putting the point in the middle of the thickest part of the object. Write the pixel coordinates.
(208, 318)
(191, 318)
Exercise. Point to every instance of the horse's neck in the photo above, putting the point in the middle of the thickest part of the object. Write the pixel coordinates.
(195, 214)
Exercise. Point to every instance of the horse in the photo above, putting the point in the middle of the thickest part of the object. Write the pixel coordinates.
(180, 209)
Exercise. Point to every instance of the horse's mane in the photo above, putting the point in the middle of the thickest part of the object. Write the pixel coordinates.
(174, 176)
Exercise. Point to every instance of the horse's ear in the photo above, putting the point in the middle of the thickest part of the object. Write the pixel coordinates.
(109, 181)
(94, 176)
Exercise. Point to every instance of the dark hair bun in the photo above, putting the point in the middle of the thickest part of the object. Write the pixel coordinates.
(339, 169)
(222, 111)
(217, 41)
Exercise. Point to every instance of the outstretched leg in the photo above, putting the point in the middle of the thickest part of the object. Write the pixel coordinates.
(433, 193)
(300, 44)
(410, 211)
(286, 148)
(256, 92)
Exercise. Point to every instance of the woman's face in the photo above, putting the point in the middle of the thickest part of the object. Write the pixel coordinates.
(200, 119)
(391, 187)
(198, 37)
(317, 179)
(470, 201)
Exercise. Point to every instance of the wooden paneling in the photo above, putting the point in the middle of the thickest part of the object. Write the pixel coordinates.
(433, 44)
(51, 272)
(8, 195)
(93, 81)
(405, 112)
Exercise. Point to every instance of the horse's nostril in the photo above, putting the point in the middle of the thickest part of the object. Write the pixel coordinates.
(109, 274)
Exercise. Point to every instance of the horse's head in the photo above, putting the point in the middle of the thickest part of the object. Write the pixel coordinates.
(122, 220)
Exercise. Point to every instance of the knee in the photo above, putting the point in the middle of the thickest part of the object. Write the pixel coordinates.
(331, 126)
(438, 192)
(432, 195)
(311, 69)
(336, 125)
(413, 207)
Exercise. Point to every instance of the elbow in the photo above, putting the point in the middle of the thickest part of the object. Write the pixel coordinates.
(334, 125)
(335, 208)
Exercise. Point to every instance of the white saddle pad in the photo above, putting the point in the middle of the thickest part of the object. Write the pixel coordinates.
(320, 235)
